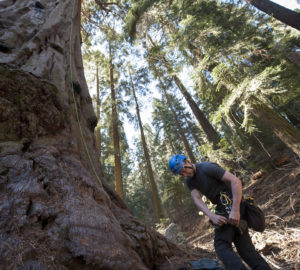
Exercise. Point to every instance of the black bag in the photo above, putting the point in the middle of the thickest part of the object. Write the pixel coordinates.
(254, 216)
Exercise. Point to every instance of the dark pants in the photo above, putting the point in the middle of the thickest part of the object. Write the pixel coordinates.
(224, 236)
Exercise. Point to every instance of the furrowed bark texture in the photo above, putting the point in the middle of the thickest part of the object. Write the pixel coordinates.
(55, 212)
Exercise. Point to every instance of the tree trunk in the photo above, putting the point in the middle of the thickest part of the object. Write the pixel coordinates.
(115, 130)
(289, 135)
(180, 130)
(208, 129)
(173, 151)
(56, 213)
(154, 190)
(192, 128)
(98, 128)
(210, 132)
(285, 15)
(149, 213)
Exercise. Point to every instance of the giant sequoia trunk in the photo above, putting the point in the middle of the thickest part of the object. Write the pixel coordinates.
(56, 212)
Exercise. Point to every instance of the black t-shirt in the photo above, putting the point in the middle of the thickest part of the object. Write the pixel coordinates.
(207, 180)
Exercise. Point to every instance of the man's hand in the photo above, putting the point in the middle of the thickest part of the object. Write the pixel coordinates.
(218, 220)
(234, 217)
(236, 189)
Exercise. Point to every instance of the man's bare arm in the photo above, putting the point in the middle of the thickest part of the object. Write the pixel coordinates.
(216, 219)
(236, 189)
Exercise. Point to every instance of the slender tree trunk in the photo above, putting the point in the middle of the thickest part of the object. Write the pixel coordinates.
(210, 132)
(178, 125)
(115, 130)
(208, 129)
(285, 15)
(289, 135)
(149, 201)
(196, 57)
(173, 151)
(98, 128)
(142, 177)
(192, 128)
(228, 134)
(169, 138)
(154, 190)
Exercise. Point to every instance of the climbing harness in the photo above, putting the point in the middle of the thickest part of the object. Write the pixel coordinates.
(255, 218)
(226, 202)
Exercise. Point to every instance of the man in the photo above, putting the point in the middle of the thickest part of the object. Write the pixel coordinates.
(218, 184)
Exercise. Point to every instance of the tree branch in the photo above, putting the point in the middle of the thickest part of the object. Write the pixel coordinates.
(285, 15)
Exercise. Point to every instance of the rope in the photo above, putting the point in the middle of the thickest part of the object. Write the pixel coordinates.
(226, 202)
(74, 99)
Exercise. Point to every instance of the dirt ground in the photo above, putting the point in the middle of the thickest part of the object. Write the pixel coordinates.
(277, 193)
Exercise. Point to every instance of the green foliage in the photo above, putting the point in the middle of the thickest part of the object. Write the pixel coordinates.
(138, 8)
(250, 91)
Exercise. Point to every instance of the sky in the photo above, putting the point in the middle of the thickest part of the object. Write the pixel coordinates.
(291, 4)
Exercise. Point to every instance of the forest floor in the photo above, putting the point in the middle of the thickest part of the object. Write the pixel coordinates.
(278, 195)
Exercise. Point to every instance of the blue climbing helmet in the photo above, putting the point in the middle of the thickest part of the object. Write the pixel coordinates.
(176, 163)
